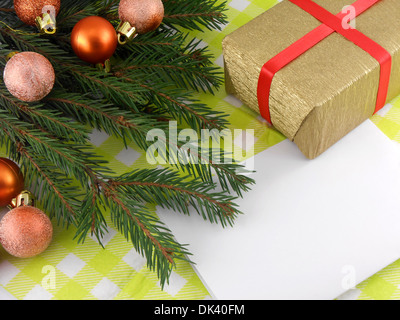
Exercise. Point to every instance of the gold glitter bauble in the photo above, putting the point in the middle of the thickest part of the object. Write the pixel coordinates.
(11, 181)
(29, 10)
(29, 76)
(25, 232)
(144, 15)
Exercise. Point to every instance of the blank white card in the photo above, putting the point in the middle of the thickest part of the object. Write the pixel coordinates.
(311, 229)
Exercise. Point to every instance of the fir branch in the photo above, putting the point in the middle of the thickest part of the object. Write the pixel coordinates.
(172, 191)
(192, 15)
(205, 163)
(149, 236)
(102, 115)
(55, 191)
(48, 119)
(72, 11)
(65, 156)
(152, 82)
(173, 101)
(57, 205)
(180, 69)
(180, 61)
(162, 42)
(91, 218)
(119, 92)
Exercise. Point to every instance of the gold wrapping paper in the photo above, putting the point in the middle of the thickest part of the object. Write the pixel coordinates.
(331, 89)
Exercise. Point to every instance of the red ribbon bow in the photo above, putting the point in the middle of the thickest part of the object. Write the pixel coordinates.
(330, 24)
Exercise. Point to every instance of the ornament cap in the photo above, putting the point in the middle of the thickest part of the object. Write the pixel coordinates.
(126, 32)
(46, 24)
(24, 199)
(10, 55)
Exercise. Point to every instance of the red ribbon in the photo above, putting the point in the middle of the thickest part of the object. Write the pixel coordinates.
(330, 24)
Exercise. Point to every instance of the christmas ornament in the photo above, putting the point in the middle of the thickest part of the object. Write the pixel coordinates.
(138, 17)
(94, 40)
(29, 76)
(25, 231)
(40, 12)
(11, 181)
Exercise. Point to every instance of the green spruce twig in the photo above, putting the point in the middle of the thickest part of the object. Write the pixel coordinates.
(152, 82)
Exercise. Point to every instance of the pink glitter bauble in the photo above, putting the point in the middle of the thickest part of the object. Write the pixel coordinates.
(29, 76)
(29, 10)
(25, 232)
(144, 15)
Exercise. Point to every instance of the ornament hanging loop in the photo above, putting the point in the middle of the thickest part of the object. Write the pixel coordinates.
(125, 33)
(106, 66)
(24, 199)
(47, 24)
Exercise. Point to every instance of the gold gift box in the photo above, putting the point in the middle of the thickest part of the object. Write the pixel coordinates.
(328, 91)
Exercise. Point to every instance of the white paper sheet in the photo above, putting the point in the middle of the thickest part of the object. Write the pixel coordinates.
(310, 229)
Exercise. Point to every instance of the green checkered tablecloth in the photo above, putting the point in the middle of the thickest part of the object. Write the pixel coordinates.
(71, 271)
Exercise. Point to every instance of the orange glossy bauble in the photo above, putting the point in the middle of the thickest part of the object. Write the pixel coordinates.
(11, 181)
(94, 39)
